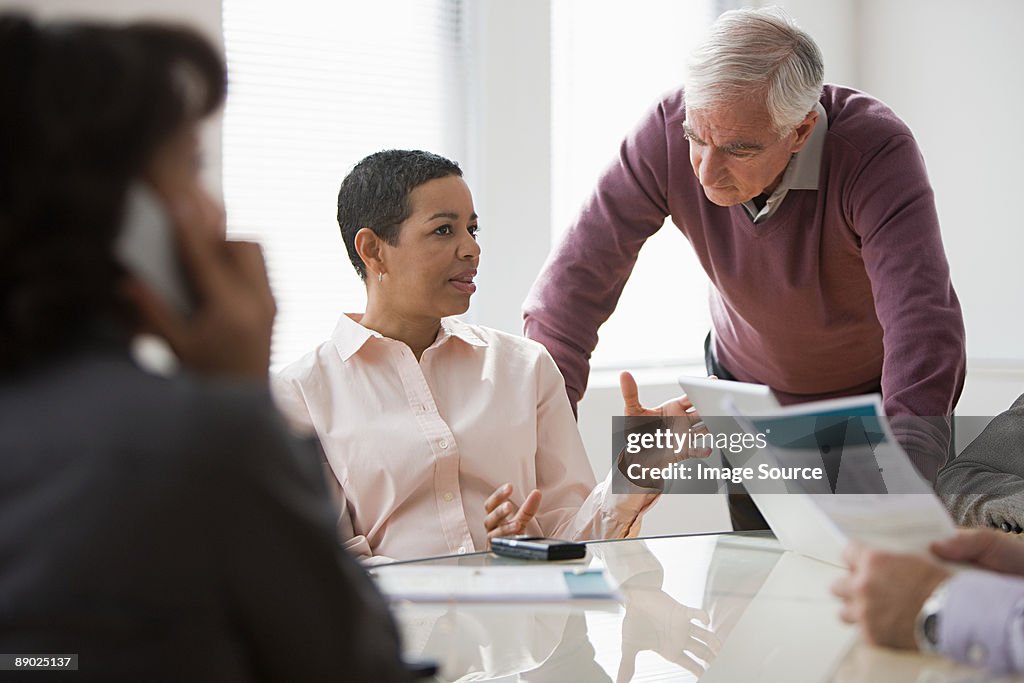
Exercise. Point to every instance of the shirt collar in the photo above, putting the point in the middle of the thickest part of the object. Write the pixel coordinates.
(805, 167)
(349, 336)
(453, 327)
(802, 172)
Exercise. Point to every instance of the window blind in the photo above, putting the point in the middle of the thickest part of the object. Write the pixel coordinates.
(313, 88)
(611, 61)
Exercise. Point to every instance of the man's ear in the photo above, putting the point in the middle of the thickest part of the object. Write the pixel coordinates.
(803, 131)
(370, 249)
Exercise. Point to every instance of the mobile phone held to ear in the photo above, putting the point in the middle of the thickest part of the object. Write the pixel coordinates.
(537, 548)
(147, 247)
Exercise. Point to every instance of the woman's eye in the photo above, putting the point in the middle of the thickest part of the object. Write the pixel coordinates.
(443, 230)
(474, 230)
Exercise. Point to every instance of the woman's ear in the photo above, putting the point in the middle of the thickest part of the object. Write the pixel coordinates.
(370, 249)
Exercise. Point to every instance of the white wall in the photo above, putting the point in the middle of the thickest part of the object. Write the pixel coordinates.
(953, 71)
(509, 160)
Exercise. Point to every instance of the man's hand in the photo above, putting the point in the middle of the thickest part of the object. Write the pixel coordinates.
(985, 548)
(884, 592)
(503, 517)
(229, 332)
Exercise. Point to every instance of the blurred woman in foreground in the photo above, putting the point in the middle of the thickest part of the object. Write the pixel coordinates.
(160, 527)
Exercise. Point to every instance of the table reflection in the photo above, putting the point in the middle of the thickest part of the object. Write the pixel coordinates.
(718, 608)
(666, 625)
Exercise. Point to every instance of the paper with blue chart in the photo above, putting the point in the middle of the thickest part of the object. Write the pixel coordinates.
(870, 491)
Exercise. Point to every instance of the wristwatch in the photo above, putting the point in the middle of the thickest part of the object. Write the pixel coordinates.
(926, 626)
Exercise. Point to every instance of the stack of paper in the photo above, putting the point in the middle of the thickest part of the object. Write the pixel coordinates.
(870, 492)
(525, 583)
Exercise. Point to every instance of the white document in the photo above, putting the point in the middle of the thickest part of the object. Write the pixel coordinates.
(879, 498)
(898, 522)
(525, 583)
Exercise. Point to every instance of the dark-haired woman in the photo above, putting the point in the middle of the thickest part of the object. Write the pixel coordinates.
(158, 527)
(442, 434)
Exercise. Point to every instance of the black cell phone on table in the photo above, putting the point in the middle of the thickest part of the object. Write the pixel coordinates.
(537, 548)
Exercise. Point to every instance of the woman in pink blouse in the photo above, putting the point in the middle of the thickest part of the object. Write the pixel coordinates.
(441, 434)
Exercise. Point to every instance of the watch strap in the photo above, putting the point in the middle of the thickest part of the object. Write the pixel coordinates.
(926, 625)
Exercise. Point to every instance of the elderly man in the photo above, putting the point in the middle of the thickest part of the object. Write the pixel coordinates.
(911, 601)
(810, 210)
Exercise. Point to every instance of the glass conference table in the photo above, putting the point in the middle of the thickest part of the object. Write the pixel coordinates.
(716, 607)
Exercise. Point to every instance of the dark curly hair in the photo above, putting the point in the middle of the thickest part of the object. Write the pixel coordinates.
(375, 194)
(85, 107)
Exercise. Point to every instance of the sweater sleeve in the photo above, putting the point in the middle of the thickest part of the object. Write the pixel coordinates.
(580, 284)
(891, 207)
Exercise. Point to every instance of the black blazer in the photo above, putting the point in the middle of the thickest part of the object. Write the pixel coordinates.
(169, 529)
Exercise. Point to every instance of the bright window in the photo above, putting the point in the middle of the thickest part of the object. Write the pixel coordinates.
(314, 87)
(611, 61)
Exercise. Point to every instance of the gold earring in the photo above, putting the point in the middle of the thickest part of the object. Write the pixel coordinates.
(380, 277)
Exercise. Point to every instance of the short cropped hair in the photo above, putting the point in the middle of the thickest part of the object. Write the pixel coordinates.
(757, 53)
(85, 108)
(375, 194)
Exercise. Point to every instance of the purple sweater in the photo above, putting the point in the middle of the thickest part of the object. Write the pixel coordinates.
(842, 288)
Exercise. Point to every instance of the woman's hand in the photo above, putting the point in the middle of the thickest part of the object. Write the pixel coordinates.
(229, 332)
(676, 407)
(655, 621)
(681, 409)
(504, 518)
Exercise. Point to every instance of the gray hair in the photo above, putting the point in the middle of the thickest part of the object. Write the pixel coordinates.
(757, 53)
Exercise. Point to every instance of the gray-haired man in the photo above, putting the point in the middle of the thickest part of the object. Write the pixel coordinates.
(810, 210)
